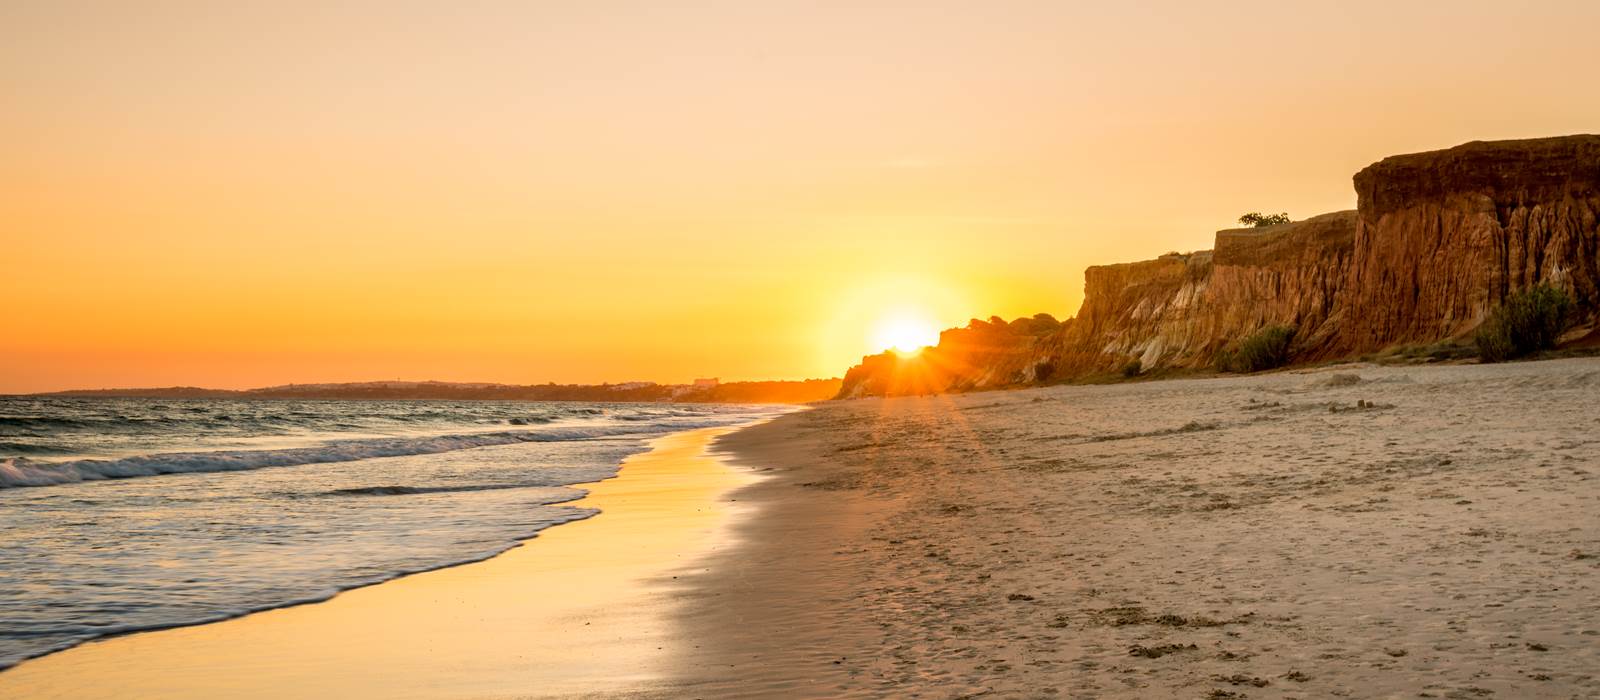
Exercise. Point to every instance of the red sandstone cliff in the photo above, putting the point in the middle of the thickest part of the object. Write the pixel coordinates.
(1436, 241)
(1442, 237)
(1180, 310)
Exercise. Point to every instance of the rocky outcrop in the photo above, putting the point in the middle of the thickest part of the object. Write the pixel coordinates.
(1437, 240)
(984, 354)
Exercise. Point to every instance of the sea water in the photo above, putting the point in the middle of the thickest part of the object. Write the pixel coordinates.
(122, 515)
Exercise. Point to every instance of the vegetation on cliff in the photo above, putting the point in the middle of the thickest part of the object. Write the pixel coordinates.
(1262, 350)
(1529, 321)
(1258, 220)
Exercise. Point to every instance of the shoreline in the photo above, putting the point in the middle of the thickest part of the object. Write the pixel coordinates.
(777, 615)
(319, 599)
(581, 608)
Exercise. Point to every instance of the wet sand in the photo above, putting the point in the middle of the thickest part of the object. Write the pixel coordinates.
(1359, 531)
(581, 609)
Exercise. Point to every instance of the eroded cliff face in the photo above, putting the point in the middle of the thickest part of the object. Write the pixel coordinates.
(1437, 240)
(1180, 310)
(1443, 237)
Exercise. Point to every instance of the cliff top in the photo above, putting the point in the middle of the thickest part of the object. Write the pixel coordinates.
(1172, 261)
(1246, 245)
(1286, 242)
(1518, 170)
(1264, 231)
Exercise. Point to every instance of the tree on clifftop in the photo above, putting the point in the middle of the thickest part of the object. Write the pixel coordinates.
(1258, 220)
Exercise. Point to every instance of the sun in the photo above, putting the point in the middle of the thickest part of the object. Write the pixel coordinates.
(905, 335)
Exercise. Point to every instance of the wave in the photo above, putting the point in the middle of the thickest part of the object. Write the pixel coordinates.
(24, 472)
(25, 447)
(416, 490)
(41, 423)
(74, 635)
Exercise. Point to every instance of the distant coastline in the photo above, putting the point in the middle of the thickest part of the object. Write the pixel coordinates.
(701, 391)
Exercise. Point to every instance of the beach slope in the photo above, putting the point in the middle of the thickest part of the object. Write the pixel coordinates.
(1359, 531)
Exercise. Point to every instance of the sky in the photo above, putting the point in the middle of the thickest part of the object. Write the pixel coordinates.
(245, 194)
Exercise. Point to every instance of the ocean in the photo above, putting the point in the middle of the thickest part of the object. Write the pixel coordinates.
(123, 515)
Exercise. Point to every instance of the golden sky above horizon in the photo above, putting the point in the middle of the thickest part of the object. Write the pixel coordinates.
(245, 194)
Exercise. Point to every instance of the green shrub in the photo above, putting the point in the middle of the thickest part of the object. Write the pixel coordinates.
(1043, 370)
(1528, 321)
(1265, 349)
(1442, 351)
(1259, 220)
(1132, 369)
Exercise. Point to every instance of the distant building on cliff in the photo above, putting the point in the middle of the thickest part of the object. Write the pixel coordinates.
(710, 383)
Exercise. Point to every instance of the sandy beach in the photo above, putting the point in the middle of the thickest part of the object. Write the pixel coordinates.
(581, 610)
(1356, 531)
(799, 350)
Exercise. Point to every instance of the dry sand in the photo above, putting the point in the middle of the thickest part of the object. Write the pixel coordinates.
(1348, 532)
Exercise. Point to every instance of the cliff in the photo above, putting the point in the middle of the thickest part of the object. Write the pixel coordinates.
(1442, 237)
(1180, 310)
(1436, 241)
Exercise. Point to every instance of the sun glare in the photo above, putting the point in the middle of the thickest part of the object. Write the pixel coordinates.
(905, 335)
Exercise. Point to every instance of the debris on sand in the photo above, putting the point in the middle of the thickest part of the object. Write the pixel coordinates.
(1241, 679)
(1159, 650)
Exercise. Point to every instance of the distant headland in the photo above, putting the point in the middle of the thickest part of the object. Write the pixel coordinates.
(700, 391)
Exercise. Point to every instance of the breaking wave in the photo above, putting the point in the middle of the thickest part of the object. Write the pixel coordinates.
(23, 472)
(420, 490)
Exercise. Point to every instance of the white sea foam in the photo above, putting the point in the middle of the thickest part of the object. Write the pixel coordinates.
(21, 471)
(366, 491)
(47, 638)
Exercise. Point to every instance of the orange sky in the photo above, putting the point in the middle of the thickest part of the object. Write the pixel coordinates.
(224, 195)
